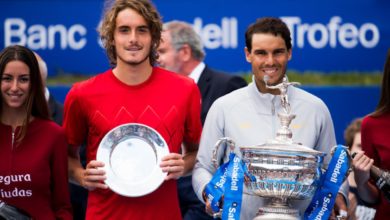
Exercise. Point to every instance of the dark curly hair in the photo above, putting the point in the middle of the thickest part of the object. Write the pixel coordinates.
(148, 12)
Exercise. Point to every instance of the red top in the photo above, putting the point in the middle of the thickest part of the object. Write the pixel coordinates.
(167, 102)
(34, 174)
(376, 145)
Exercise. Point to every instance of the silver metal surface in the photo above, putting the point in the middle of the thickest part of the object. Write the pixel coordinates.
(132, 153)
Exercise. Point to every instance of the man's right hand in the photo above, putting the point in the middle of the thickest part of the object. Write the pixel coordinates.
(208, 208)
(92, 177)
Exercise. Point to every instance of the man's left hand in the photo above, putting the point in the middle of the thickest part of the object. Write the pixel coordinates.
(173, 164)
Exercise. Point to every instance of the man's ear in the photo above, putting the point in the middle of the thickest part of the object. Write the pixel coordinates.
(185, 52)
(289, 54)
(247, 55)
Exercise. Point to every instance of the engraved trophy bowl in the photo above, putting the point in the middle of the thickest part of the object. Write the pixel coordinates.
(279, 172)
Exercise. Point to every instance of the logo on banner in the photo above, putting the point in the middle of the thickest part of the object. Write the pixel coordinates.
(333, 34)
(215, 36)
(37, 36)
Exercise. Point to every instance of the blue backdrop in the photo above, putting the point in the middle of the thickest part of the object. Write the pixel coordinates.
(331, 35)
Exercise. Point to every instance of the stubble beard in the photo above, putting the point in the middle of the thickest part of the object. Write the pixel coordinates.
(134, 63)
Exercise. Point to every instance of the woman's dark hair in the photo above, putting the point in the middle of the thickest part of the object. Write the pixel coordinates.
(384, 100)
(36, 104)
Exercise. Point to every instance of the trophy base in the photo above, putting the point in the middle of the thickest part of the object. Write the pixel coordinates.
(271, 213)
(275, 216)
(278, 209)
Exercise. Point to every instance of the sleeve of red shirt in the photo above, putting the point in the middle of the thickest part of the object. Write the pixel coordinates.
(193, 126)
(367, 140)
(60, 191)
(74, 122)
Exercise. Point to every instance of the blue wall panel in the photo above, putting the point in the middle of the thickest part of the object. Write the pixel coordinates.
(329, 35)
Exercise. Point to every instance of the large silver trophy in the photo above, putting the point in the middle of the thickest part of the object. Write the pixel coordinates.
(281, 169)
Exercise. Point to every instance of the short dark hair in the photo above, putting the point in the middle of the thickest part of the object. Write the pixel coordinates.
(271, 25)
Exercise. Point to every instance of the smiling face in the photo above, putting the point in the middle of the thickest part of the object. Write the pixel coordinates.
(268, 56)
(15, 85)
(132, 38)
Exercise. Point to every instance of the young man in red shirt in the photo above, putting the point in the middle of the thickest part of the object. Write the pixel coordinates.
(134, 91)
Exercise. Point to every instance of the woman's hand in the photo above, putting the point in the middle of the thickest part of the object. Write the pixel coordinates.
(361, 167)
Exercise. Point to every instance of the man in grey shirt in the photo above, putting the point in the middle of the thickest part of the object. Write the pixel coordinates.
(249, 115)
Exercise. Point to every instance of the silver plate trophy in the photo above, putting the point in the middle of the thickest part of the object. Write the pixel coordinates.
(281, 169)
(132, 153)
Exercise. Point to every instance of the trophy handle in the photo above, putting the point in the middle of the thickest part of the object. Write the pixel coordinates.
(226, 141)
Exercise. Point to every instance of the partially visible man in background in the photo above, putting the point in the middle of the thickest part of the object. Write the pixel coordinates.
(56, 108)
(181, 51)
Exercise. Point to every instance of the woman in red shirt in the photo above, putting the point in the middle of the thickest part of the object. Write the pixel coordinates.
(376, 148)
(33, 149)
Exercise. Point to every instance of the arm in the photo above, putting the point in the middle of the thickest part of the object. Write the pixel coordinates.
(362, 165)
(212, 132)
(91, 177)
(326, 141)
(75, 125)
(189, 156)
(59, 180)
(340, 207)
(363, 162)
(204, 169)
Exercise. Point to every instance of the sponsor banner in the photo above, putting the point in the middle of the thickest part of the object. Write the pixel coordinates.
(327, 36)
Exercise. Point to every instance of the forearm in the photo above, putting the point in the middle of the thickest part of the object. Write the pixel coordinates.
(200, 178)
(189, 161)
(189, 156)
(368, 192)
(75, 169)
(344, 189)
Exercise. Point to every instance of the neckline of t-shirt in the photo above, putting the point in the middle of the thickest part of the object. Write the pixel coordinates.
(119, 82)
